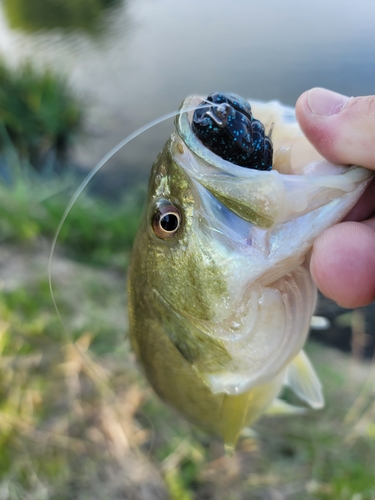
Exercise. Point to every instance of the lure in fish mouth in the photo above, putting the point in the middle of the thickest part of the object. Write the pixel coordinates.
(220, 294)
(228, 128)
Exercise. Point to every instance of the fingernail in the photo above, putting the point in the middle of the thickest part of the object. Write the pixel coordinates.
(324, 102)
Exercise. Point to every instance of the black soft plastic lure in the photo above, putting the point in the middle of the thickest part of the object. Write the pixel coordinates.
(228, 129)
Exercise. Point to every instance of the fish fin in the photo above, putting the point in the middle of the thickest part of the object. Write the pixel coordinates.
(280, 407)
(248, 432)
(303, 380)
(233, 416)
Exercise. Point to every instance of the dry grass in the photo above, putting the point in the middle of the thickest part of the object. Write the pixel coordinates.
(78, 421)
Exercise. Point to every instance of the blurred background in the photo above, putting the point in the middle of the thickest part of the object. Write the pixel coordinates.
(77, 419)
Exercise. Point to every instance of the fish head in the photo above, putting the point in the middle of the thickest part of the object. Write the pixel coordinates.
(221, 261)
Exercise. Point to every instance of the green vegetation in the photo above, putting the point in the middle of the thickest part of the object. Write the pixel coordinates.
(96, 231)
(39, 116)
(77, 420)
(34, 15)
(64, 418)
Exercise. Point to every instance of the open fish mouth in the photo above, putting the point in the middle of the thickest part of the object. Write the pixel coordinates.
(300, 181)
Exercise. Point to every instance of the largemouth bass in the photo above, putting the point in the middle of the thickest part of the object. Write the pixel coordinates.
(220, 295)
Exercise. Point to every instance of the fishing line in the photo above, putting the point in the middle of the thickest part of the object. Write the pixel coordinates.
(94, 368)
(88, 178)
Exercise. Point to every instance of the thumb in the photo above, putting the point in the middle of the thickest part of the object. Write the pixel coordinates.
(341, 128)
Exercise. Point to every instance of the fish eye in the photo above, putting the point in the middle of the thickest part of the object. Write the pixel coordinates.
(166, 220)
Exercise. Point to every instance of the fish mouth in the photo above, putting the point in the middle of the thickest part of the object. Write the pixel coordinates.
(292, 151)
(300, 182)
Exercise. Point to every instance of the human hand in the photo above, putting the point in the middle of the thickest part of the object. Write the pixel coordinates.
(342, 129)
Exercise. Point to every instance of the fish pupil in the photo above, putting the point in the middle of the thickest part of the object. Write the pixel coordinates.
(166, 219)
(228, 129)
(169, 222)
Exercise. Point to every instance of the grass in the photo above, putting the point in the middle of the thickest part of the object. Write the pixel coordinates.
(39, 116)
(96, 231)
(61, 434)
(77, 420)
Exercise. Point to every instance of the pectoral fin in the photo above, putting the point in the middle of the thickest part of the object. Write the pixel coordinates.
(302, 379)
(280, 407)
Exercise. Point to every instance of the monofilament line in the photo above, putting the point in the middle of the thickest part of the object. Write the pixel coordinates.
(88, 178)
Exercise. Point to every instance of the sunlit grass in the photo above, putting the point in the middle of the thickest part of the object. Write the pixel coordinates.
(67, 423)
(77, 420)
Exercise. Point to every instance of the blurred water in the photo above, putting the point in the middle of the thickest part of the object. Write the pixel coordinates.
(150, 54)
